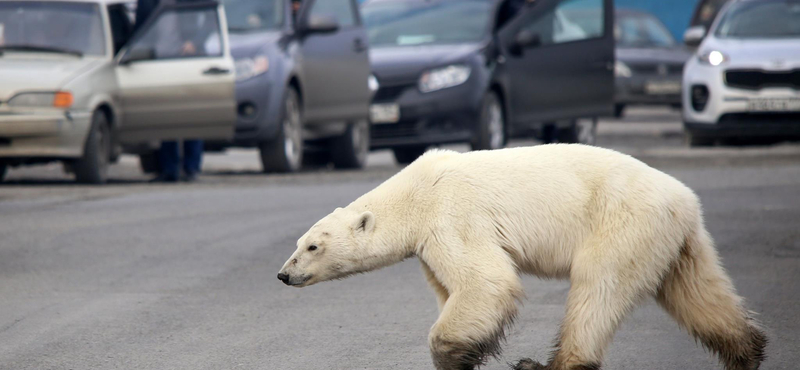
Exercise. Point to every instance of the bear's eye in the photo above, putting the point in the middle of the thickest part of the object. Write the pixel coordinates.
(312, 248)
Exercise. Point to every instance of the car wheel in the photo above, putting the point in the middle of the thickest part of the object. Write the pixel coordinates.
(149, 162)
(408, 154)
(285, 153)
(491, 132)
(92, 167)
(350, 150)
(619, 110)
(579, 132)
(3, 171)
(697, 141)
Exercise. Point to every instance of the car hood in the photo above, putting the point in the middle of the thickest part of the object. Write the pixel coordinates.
(757, 52)
(406, 63)
(23, 73)
(674, 55)
(245, 45)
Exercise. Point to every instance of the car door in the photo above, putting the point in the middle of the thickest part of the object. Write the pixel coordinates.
(175, 77)
(559, 59)
(335, 64)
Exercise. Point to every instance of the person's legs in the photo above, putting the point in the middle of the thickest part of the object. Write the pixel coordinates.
(169, 158)
(192, 157)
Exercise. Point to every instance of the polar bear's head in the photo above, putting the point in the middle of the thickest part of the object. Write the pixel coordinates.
(335, 247)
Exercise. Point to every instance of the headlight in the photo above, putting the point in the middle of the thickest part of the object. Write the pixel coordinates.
(442, 78)
(622, 70)
(373, 84)
(713, 58)
(57, 99)
(251, 67)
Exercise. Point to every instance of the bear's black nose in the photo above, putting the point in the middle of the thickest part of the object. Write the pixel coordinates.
(284, 278)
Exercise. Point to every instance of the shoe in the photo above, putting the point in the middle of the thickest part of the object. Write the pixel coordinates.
(164, 179)
(189, 177)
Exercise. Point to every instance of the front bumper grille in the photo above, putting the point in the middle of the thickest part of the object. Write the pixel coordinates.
(753, 79)
(391, 92)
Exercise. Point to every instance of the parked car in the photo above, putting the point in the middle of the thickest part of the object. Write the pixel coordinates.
(480, 72)
(77, 88)
(744, 81)
(301, 82)
(649, 65)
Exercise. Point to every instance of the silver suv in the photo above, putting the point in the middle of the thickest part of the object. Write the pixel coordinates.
(79, 86)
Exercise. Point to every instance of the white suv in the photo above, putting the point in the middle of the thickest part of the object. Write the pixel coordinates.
(745, 79)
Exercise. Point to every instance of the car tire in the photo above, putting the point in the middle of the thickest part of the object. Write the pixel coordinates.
(285, 152)
(3, 171)
(149, 163)
(92, 167)
(619, 110)
(350, 150)
(491, 131)
(579, 132)
(408, 154)
(699, 141)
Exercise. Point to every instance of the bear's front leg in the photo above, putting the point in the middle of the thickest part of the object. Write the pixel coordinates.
(481, 304)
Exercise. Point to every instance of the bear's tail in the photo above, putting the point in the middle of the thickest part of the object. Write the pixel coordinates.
(700, 296)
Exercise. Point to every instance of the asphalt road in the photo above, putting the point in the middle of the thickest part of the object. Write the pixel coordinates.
(136, 276)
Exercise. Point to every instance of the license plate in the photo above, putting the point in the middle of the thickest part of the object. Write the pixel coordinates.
(773, 105)
(662, 87)
(384, 113)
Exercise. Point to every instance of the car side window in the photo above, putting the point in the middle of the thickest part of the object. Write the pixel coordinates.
(183, 33)
(341, 9)
(570, 20)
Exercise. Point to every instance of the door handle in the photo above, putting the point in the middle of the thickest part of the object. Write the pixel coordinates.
(359, 46)
(216, 71)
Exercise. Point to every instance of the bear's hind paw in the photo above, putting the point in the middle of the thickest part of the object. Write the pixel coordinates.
(528, 364)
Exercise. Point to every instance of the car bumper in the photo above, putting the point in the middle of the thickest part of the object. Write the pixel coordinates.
(727, 111)
(257, 112)
(635, 90)
(440, 117)
(43, 134)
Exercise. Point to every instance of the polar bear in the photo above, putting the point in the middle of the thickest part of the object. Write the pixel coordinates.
(619, 230)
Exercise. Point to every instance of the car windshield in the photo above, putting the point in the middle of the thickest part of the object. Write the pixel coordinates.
(642, 31)
(253, 15)
(426, 22)
(51, 26)
(761, 19)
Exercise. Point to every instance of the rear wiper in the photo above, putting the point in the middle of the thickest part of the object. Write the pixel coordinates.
(34, 48)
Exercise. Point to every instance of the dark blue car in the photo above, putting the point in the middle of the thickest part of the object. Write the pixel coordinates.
(302, 74)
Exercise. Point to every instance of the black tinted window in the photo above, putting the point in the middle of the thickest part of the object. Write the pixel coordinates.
(570, 20)
(341, 9)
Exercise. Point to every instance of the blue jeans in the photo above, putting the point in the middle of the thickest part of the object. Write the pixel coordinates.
(170, 158)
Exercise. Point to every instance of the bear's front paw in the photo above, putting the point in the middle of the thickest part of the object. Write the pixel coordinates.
(528, 364)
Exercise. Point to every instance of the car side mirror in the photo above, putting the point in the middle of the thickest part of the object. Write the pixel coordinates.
(138, 54)
(694, 36)
(525, 39)
(320, 24)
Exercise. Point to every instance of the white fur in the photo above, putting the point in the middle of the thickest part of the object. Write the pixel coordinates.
(611, 224)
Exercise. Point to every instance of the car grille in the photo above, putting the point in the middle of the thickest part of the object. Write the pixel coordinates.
(400, 129)
(390, 93)
(760, 118)
(657, 68)
(758, 79)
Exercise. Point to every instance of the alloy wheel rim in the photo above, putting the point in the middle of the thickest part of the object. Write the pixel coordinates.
(496, 133)
(359, 136)
(586, 132)
(292, 133)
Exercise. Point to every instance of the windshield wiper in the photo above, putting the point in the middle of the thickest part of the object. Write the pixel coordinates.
(35, 48)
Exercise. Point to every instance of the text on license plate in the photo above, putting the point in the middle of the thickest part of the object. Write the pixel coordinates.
(662, 87)
(384, 113)
(773, 105)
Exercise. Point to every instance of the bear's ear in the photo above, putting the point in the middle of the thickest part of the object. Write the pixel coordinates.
(365, 222)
